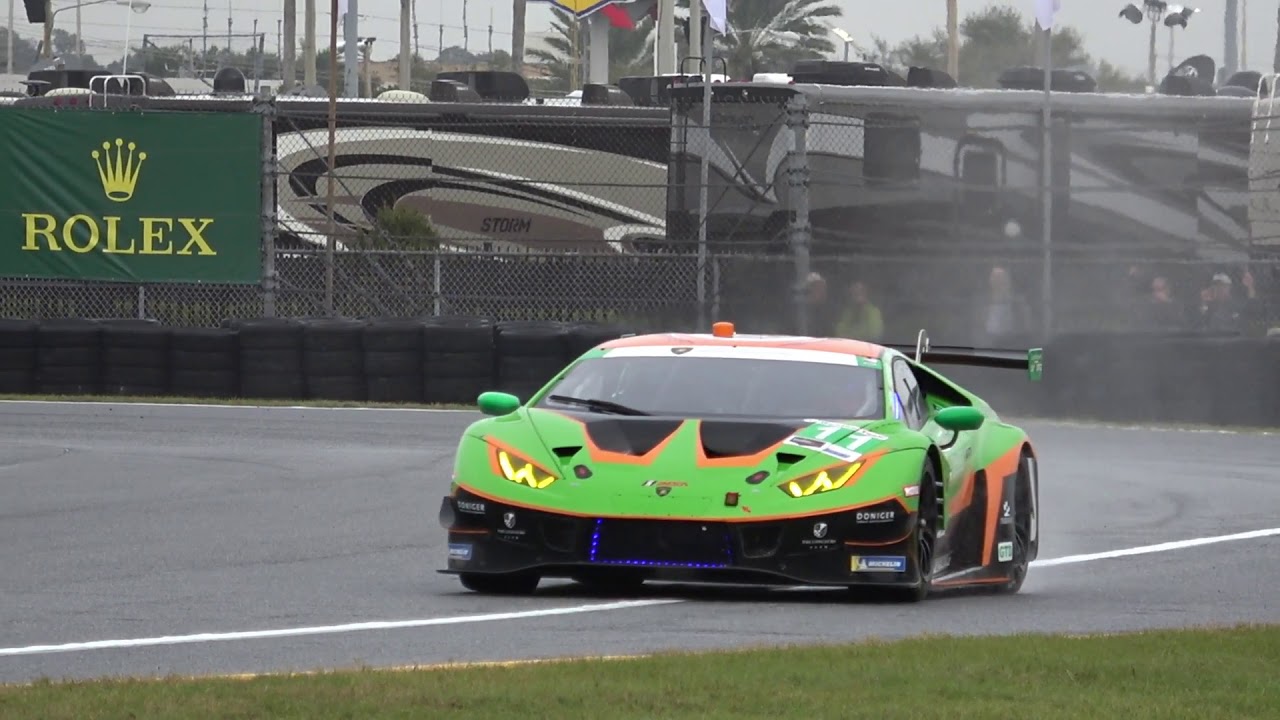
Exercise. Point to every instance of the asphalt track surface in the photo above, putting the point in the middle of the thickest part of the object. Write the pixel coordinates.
(282, 533)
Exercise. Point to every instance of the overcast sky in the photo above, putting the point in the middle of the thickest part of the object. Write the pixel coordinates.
(1105, 33)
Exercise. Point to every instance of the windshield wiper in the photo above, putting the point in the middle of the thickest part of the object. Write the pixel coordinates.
(592, 404)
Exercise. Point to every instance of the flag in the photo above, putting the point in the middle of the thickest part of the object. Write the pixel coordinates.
(1045, 10)
(618, 17)
(717, 12)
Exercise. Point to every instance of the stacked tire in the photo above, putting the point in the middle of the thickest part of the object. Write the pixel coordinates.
(204, 362)
(585, 336)
(333, 359)
(457, 359)
(270, 359)
(18, 343)
(529, 355)
(135, 358)
(69, 357)
(393, 361)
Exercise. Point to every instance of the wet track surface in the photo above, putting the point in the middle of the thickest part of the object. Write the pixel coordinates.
(122, 522)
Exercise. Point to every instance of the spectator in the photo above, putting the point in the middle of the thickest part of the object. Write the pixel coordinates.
(1220, 310)
(862, 320)
(821, 312)
(1003, 317)
(1162, 313)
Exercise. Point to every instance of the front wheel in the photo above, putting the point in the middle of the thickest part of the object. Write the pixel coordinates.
(500, 584)
(925, 537)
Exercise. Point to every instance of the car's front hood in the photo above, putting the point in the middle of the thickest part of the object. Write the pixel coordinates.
(671, 467)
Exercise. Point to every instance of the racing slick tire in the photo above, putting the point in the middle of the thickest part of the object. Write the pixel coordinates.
(1021, 528)
(924, 538)
(500, 584)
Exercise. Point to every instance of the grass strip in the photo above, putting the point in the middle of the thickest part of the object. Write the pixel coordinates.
(1193, 673)
(235, 402)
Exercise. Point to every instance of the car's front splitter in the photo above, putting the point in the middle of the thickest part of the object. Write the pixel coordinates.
(869, 546)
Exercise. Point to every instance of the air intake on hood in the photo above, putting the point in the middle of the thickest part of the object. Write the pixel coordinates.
(630, 436)
(733, 439)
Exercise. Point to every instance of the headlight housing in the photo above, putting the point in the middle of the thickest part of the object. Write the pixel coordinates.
(519, 470)
(832, 478)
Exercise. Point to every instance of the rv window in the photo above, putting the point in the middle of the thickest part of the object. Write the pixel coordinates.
(891, 148)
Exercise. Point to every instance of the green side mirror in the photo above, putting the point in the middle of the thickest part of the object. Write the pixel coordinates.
(959, 418)
(497, 403)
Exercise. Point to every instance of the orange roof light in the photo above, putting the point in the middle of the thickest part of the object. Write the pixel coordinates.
(722, 329)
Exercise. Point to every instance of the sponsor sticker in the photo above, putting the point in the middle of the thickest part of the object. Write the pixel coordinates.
(1006, 513)
(877, 563)
(866, 517)
(1004, 552)
(459, 551)
(467, 506)
(804, 442)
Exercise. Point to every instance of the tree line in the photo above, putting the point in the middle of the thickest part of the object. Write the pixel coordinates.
(764, 36)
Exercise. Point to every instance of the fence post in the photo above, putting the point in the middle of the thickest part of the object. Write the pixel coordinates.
(799, 232)
(266, 109)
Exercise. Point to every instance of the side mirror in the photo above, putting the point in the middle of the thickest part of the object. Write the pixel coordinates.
(497, 403)
(959, 418)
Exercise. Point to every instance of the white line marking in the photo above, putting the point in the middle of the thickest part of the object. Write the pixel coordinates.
(1162, 547)
(240, 407)
(325, 629)
(572, 610)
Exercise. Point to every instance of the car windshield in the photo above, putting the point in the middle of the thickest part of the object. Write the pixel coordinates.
(691, 386)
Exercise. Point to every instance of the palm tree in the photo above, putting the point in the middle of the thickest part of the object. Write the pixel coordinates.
(630, 51)
(770, 35)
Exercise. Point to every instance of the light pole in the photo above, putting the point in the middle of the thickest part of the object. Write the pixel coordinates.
(1154, 10)
(846, 38)
(1177, 17)
(138, 6)
(8, 41)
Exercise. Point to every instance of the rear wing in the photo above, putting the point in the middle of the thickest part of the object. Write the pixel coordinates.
(1031, 360)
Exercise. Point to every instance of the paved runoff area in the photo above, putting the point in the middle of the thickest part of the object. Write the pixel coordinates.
(160, 539)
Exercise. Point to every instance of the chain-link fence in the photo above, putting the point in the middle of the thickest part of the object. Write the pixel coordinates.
(791, 213)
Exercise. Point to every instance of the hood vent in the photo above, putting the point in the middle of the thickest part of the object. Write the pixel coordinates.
(786, 460)
(630, 436)
(565, 453)
(724, 438)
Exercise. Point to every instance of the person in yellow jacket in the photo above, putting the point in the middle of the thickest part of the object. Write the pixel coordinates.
(862, 319)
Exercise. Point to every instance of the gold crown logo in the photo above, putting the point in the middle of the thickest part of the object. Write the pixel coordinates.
(118, 172)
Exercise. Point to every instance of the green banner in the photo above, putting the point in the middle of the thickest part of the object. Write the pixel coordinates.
(131, 196)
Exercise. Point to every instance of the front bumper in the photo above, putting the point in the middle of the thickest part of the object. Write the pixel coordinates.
(871, 546)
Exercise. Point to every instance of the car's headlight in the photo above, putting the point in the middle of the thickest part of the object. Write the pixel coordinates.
(832, 478)
(519, 470)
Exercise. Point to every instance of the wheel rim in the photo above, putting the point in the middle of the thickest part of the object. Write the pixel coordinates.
(925, 531)
(1021, 528)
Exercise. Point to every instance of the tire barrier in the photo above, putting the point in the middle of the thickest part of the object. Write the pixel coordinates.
(1225, 381)
(204, 362)
(69, 357)
(459, 359)
(135, 358)
(19, 340)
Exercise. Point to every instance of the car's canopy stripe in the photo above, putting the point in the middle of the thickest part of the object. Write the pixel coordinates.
(842, 346)
(745, 352)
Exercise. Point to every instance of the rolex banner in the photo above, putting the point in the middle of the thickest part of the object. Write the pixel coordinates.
(131, 196)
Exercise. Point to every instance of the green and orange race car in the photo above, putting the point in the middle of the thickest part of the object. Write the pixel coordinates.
(747, 459)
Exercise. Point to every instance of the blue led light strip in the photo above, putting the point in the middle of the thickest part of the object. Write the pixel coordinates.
(595, 548)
